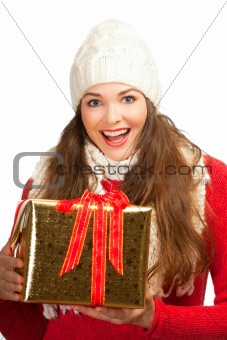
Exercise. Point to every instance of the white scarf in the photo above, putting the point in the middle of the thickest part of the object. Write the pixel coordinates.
(114, 170)
(95, 157)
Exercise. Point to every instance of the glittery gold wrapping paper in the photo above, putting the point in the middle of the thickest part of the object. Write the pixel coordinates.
(42, 239)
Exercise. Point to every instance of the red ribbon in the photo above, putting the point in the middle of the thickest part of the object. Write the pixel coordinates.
(116, 200)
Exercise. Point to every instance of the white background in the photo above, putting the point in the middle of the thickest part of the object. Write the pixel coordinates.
(38, 41)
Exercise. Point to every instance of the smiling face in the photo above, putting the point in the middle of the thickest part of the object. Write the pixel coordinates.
(113, 115)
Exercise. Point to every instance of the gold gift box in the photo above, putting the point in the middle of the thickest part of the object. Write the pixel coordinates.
(41, 239)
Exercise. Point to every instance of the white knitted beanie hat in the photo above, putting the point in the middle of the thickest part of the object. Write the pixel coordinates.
(114, 52)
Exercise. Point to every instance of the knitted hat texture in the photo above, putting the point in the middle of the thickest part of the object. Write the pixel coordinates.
(114, 52)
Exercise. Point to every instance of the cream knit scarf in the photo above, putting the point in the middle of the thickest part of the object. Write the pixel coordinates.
(116, 170)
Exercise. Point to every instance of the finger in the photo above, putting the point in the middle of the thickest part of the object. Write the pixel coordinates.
(89, 311)
(9, 262)
(11, 276)
(11, 287)
(149, 298)
(12, 296)
(190, 291)
(112, 313)
(10, 290)
(6, 249)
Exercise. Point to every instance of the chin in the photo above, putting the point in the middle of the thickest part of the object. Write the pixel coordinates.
(118, 155)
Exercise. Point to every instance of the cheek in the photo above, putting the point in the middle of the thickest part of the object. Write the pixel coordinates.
(91, 118)
(140, 117)
(87, 120)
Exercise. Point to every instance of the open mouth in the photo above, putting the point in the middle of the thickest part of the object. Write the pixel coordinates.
(115, 136)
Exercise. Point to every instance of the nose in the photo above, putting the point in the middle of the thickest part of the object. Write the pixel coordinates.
(112, 114)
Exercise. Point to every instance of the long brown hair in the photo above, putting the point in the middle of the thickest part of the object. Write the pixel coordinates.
(157, 181)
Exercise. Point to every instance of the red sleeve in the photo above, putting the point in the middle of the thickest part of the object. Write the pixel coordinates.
(27, 188)
(19, 320)
(203, 322)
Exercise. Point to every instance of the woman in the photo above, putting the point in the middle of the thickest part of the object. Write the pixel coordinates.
(116, 94)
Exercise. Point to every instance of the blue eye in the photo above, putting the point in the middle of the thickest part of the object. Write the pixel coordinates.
(128, 99)
(94, 102)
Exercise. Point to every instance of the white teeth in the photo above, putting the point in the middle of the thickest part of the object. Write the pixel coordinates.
(115, 133)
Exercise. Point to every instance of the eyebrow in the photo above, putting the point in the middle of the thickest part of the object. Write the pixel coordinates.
(93, 94)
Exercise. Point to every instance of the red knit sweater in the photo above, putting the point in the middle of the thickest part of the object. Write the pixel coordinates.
(175, 317)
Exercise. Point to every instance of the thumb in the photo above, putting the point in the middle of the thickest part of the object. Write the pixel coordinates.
(6, 250)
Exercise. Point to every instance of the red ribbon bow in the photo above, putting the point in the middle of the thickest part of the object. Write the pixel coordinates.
(116, 200)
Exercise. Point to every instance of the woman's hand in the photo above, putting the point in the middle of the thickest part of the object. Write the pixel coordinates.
(11, 283)
(139, 317)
